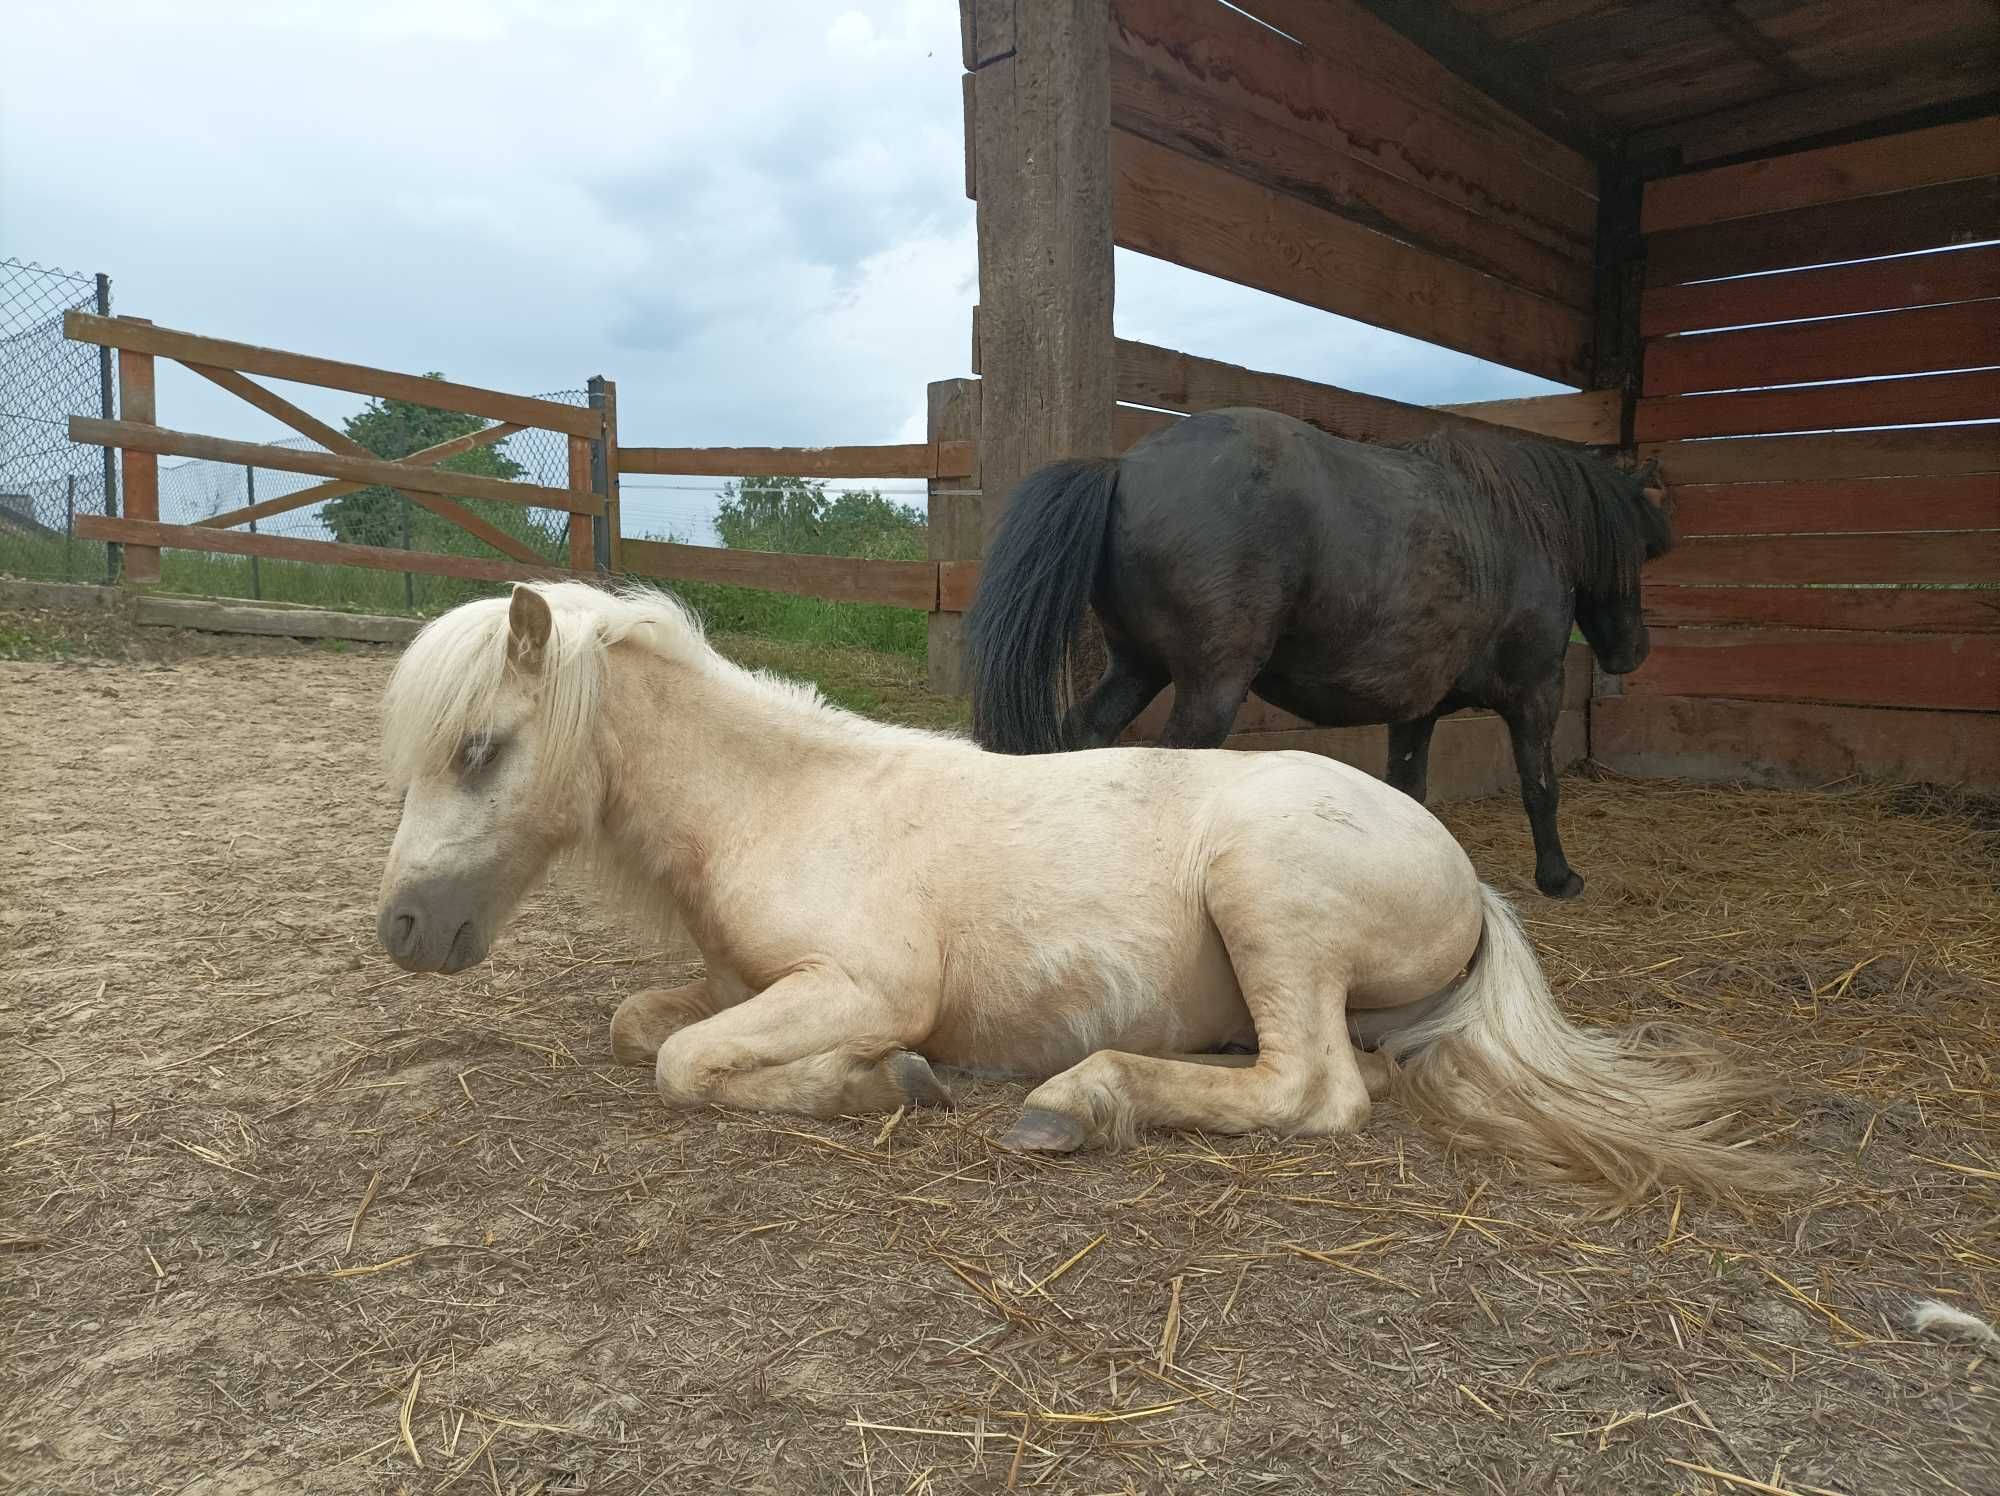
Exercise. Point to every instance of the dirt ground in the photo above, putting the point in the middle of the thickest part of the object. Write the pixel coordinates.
(277, 1217)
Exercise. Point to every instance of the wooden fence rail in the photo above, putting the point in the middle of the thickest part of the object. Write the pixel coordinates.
(346, 466)
(943, 459)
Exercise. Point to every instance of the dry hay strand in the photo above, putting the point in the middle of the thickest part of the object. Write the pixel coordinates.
(275, 1217)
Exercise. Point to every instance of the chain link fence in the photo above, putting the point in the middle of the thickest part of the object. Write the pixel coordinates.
(46, 479)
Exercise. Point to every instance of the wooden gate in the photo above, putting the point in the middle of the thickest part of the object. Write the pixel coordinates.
(345, 467)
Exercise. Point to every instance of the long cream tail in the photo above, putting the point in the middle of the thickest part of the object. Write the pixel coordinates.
(1497, 1065)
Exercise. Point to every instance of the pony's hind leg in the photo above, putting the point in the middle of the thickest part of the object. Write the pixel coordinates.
(812, 1043)
(1205, 707)
(1410, 756)
(1306, 1077)
(1129, 683)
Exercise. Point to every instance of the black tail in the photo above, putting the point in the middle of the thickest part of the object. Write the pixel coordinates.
(1033, 588)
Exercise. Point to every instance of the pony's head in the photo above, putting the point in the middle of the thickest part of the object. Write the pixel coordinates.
(487, 728)
(1635, 526)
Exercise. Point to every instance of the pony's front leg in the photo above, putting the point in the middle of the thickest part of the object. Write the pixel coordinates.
(1531, 724)
(1410, 756)
(812, 1043)
(646, 1020)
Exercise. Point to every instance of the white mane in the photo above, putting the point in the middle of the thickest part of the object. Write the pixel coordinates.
(446, 686)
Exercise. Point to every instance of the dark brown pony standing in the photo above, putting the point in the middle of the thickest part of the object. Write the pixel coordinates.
(1349, 584)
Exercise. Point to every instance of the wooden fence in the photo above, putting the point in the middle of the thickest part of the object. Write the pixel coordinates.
(1834, 604)
(345, 467)
(1155, 386)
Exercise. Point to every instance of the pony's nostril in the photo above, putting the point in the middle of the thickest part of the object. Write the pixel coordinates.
(401, 930)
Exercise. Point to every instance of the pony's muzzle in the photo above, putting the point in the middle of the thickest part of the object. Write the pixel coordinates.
(429, 939)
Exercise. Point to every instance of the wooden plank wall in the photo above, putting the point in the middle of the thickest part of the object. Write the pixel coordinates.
(1334, 162)
(1472, 756)
(1834, 605)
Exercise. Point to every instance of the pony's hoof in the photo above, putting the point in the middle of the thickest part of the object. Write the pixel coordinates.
(1566, 887)
(1040, 1130)
(914, 1078)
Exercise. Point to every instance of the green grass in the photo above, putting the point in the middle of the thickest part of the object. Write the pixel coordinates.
(740, 611)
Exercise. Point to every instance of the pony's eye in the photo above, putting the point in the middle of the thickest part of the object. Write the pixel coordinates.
(478, 753)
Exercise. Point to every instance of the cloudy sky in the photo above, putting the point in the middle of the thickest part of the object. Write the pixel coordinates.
(751, 216)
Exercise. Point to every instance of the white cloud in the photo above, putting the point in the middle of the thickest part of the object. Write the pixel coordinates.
(752, 217)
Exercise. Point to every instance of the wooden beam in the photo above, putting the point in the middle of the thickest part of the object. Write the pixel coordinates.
(1202, 216)
(1590, 418)
(1931, 610)
(1257, 715)
(1935, 279)
(945, 459)
(1548, 261)
(1148, 375)
(900, 584)
(1840, 103)
(1313, 114)
(1833, 174)
(1966, 556)
(311, 426)
(136, 398)
(219, 616)
(359, 379)
(314, 552)
(1458, 61)
(1951, 672)
(1960, 336)
(1043, 117)
(1472, 756)
(365, 471)
(956, 530)
(1783, 744)
(1935, 452)
(230, 518)
(1892, 224)
(1131, 425)
(1971, 396)
(1967, 502)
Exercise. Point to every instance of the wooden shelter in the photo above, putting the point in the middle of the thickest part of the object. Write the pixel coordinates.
(1592, 191)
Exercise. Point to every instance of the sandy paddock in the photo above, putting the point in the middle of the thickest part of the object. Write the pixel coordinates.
(277, 1217)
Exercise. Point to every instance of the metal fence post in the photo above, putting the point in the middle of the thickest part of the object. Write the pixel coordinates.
(409, 578)
(250, 497)
(69, 527)
(106, 409)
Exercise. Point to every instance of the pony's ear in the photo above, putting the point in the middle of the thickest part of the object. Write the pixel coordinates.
(529, 624)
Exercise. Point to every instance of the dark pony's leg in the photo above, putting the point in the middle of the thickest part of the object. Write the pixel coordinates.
(1129, 684)
(1531, 722)
(1410, 756)
(1205, 707)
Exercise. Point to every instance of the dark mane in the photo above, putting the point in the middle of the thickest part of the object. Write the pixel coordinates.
(1586, 511)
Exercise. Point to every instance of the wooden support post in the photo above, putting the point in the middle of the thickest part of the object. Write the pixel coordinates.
(582, 545)
(108, 411)
(607, 530)
(1616, 354)
(142, 469)
(1041, 141)
(957, 529)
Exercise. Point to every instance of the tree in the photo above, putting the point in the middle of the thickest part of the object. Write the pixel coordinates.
(374, 516)
(799, 515)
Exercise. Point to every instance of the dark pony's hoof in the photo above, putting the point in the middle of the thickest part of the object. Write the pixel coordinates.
(1042, 1131)
(1567, 887)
